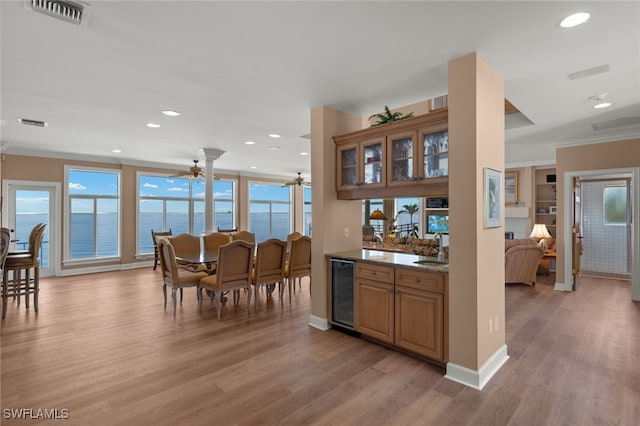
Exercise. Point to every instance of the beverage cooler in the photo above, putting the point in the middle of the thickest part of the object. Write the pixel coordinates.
(342, 293)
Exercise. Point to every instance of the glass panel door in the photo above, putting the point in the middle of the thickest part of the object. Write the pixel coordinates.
(402, 159)
(436, 154)
(372, 160)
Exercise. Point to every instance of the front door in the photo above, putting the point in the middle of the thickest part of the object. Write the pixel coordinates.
(27, 205)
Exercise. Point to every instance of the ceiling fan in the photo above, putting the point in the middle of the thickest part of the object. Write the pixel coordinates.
(194, 172)
(299, 181)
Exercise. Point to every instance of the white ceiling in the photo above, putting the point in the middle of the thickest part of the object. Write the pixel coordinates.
(241, 70)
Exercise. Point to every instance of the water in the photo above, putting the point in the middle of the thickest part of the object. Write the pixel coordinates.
(84, 245)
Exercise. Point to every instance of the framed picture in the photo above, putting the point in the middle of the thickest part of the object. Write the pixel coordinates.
(492, 205)
(511, 188)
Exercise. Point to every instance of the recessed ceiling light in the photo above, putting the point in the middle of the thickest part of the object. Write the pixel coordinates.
(575, 19)
(250, 142)
(152, 125)
(170, 113)
(117, 151)
(274, 135)
(274, 148)
(304, 153)
(253, 167)
(603, 105)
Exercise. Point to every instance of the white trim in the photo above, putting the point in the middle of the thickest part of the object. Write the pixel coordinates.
(478, 379)
(562, 287)
(106, 268)
(319, 323)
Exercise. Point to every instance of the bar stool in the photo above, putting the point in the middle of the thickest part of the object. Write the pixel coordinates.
(4, 249)
(23, 262)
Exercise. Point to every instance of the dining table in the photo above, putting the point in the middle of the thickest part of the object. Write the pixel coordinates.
(207, 258)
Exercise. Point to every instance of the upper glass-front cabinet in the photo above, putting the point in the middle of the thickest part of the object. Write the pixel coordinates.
(361, 164)
(402, 157)
(436, 154)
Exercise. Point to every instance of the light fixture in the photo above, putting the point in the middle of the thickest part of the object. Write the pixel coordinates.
(253, 167)
(274, 135)
(575, 19)
(152, 125)
(274, 148)
(250, 142)
(304, 153)
(116, 151)
(540, 232)
(602, 105)
(171, 113)
(378, 215)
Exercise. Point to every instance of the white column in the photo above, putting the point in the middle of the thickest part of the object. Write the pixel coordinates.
(210, 154)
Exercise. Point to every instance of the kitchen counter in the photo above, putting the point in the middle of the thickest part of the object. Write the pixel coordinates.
(394, 259)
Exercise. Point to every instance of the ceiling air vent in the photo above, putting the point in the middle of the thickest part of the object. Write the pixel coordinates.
(616, 122)
(63, 10)
(588, 73)
(36, 123)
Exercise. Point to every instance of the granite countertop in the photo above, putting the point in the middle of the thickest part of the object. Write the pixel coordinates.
(395, 259)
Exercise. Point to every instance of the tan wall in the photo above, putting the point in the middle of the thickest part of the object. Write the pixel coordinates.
(28, 168)
(602, 156)
(330, 216)
(476, 260)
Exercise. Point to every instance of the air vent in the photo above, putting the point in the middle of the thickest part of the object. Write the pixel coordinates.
(588, 73)
(36, 123)
(615, 123)
(439, 102)
(64, 10)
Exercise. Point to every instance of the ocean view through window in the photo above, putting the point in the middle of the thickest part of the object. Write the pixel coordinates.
(93, 214)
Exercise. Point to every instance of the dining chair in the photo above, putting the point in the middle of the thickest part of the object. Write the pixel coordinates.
(5, 238)
(23, 262)
(269, 267)
(186, 245)
(247, 236)
(154, 237)
(214, 240)
(235, 262)
(292, 236)
(175, 277)
(298, 262)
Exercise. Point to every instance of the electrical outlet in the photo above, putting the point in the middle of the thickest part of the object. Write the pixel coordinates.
(346, 232)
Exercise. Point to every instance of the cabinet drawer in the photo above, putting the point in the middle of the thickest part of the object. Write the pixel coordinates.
(421, 280)
(374, 272)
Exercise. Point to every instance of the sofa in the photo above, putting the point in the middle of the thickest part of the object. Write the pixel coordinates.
(522, 258)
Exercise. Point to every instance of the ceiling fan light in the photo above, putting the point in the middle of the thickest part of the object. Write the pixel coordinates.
(575, 19)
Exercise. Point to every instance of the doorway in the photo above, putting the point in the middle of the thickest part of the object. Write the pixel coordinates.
(26, 204)
(608, 218)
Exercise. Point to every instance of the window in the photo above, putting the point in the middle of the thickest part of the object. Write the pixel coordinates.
(615, 205)
(178, 204)
(407, 214)
(269, 210)
(306, 211)
(92, 219)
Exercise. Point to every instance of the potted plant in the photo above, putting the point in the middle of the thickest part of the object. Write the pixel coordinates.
(389, 117)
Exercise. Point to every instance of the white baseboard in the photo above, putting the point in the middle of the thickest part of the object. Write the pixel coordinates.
(105, 268)
(478, 379)
(562, 287)
(319, 323)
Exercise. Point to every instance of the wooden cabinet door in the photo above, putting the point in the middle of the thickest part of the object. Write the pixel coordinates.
(402, 158)
(372, 153)
(419, 323)
(433, 152)
(374, 309)
(347, 167)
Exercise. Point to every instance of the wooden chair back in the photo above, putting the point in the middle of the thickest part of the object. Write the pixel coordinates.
(270, 262)
(299, 264)
(235, 263)
(247, 236)
(215, 240)
(185, 245)
(292, 236)
(5, 238)
(155, 236)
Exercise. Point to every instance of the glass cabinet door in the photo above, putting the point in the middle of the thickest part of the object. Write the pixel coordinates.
(402, 154)
(348, 166)
(372, 160)
(436, 154)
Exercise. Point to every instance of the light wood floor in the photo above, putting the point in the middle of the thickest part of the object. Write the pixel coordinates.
(103, 348)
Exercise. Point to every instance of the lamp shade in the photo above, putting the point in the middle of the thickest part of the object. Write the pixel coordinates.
(540, 231)
(378, 215)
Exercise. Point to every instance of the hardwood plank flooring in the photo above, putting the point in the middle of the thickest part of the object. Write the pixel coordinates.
(103, 348)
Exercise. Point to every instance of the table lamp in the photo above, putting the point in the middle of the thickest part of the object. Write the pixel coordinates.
(540, 232)
(378, 215)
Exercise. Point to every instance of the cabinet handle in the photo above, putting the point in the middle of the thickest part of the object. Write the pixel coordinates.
(416, 279)
(390, 290)
(397, 292)
(373, 272)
